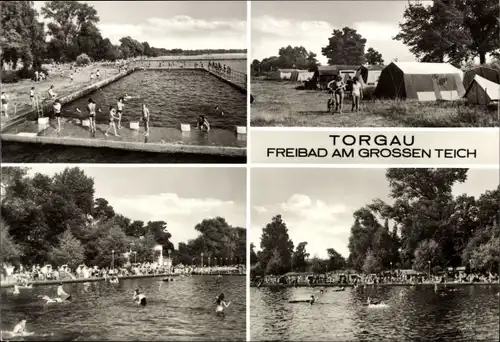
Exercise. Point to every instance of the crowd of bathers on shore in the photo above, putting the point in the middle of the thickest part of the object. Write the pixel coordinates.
(395, 277)
(23, 276)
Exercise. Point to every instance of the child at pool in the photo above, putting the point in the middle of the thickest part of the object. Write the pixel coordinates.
(112, 118)
(145, 118)
(203, 124)
(119, 111)
(221, 304)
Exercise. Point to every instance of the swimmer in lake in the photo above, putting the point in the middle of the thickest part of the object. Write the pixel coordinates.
(221, 304)
(112, 118)
(145, 118)
(139, 298)
(20, 327)
(203, 124)
(61, 293)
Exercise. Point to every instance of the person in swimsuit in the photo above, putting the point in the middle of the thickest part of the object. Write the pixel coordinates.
(112, 118)
(203, 124)
(139, 298)
(20, 327)
(92, 115)
(32, 97)
(145, 118)
(5, 104)
(119, 111)
(62, 294)
(221, 304)
(51, 92)
(57, 113)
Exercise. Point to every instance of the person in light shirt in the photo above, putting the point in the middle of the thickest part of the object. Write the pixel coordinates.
(51, 92)
(357, 94)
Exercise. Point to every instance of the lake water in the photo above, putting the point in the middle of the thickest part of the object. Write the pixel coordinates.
(471, 313)
(173, 97)
(183, 310)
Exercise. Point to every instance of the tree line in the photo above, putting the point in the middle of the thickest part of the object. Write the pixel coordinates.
(279, 256)
(71, 31)
(424, 227)
(431, 227)
(57, 220)
(451, 31)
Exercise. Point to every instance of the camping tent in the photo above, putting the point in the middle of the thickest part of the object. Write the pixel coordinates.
(327, 73)
(490, 74)
(370, 74)
(482, 91)
(420, 81)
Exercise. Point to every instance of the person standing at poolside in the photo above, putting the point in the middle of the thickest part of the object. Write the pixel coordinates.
(145, 118)
(57, 113)
(51, 92)
(32, 97)
(92, 115)
(357, 94)
(5, 104)
(112, 118)
(119, 106)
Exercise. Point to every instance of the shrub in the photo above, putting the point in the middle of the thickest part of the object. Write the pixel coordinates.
(83, 59)
(9, 76)
(30, 73)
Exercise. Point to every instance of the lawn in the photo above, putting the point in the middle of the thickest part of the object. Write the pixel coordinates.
(281, 104)
(18, 93)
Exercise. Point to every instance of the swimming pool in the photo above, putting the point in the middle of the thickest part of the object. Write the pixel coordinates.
(183, 310)
(173, 97)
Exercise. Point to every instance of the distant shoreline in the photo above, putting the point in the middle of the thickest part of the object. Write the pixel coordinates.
(373, 285)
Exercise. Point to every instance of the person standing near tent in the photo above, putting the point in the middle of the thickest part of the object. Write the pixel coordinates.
(357, 94)
(338, 87)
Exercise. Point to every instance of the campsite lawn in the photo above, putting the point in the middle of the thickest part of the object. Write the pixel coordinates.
(281, 104)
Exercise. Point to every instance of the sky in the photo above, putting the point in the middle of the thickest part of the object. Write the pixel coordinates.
(317, 205)
(173, 24)
(310, 24)
(182, 197)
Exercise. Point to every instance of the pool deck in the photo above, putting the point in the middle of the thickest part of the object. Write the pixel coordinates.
(217, 142)
(374, 285)
(160, 140)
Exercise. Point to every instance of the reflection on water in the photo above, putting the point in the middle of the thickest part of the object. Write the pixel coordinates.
(14, 152)
(470, 313)
(180, 310)
(172, 97)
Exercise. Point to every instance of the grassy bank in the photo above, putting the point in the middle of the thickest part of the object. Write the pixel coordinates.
(281, 104)
(19, 93)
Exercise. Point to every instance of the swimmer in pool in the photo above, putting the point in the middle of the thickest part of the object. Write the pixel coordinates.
(49, 300)
(221, 304)
(16, 290)
(20, 327)
(139, 298)
(203, 124)
(61, 293)
(313, 299)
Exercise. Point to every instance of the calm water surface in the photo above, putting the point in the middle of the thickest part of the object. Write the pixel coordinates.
(183, 310)
(14, 152)
(172, 97)
(413, 314)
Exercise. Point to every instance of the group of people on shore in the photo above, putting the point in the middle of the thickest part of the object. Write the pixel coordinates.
(337, 89)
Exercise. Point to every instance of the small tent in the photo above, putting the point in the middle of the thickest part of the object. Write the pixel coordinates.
(482, 91)
(420, 81)
(490, 74)
(370, 74)
(327, 73)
